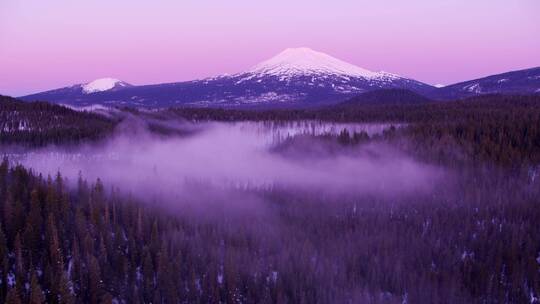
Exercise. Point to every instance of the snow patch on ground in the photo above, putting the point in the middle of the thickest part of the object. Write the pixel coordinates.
(89, 108)
(474, 88)
(267, 97)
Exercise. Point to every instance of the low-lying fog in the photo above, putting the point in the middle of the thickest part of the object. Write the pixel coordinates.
(241, 155)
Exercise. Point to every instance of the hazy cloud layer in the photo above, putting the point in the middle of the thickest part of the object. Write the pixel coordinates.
(232, 156)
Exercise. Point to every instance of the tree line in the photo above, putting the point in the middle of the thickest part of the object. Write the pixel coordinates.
(35, 124)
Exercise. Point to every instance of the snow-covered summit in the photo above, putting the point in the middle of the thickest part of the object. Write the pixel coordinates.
(102, 84)
(305, 61)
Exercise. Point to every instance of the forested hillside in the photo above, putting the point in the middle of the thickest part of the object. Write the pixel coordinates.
(474, 242)
(41, 123)
(417, 111)
(496, 128)
(473, 239)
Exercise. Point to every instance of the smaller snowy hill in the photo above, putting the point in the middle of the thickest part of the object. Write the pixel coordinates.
(103, 84)
(78, 94)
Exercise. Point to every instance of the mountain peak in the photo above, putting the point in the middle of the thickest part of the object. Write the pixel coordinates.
(305, 61)
(102, 84)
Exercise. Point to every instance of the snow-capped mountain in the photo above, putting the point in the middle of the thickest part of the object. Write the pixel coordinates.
(306, 75)
(296, 77)
(304, 61)
(78, 94)
(103, 84)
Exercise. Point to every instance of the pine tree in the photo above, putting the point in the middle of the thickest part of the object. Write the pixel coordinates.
(94, 280)
(154, 240)
(13, 297)
(165, 279)
(4, 263)
(104, 262)
(51, 200)
(75, 276)
(55, 250)
(139, 225)
(36, 293)
(4, 168)
(64, 289)
(8, 216)
(148, 277)
(20, 271)
(33, 226)
(106, 299)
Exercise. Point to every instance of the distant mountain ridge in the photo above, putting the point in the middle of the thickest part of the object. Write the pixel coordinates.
(525, 81)
(296, 77)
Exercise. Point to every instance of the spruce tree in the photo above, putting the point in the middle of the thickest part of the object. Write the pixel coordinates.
(36, 293)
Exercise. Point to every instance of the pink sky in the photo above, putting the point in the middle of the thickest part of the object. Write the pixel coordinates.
(55, 43)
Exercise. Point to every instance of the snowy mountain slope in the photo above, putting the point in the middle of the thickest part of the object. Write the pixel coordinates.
(294, 77)
(103, 84)
(317, 77)
(304, 61)
(516, 82)
(297, 77)
(79, 92)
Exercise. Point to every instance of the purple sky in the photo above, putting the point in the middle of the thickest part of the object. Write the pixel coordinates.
(54, 43)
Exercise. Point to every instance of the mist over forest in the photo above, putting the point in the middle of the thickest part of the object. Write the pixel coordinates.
(434, 203)
(287, 152)
(239, 155)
